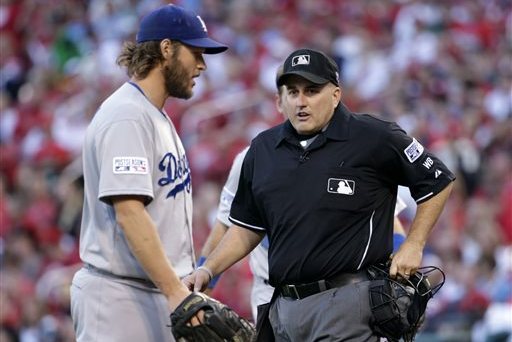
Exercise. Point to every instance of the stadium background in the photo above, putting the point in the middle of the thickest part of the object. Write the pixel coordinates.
(441, 68)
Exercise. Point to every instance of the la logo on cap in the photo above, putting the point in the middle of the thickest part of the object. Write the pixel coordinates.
(300, 60)
(202, 23)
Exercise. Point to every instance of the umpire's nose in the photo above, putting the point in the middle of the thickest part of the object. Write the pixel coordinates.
(301, 100)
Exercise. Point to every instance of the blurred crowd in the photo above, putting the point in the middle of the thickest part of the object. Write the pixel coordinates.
(441, 68)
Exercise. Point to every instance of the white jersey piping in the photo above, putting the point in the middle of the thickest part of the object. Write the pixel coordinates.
(369, 240)
(426, 196)
(245, 224)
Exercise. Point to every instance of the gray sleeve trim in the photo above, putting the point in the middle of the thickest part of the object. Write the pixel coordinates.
(111, 193)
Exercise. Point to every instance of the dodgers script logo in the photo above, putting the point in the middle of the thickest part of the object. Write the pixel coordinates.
(177, 173)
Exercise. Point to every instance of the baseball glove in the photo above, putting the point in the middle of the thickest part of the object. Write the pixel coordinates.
(398, 305)
(220, 322)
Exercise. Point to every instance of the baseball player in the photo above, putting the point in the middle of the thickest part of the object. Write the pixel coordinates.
(136, 234)
(258, 260)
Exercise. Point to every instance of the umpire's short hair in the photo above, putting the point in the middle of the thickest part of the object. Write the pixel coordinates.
(279, 73)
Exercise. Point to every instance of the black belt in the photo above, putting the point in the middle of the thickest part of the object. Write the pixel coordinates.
(142, 281)
(300, 291)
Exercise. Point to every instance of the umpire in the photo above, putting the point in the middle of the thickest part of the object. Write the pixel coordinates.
(323, 186)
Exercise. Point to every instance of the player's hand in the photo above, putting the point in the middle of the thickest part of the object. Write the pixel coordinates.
(177, 298)
(407, 260)
(219, 322)
(197, 281)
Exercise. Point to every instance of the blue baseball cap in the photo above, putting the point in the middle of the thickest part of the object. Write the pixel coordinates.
(176, 23)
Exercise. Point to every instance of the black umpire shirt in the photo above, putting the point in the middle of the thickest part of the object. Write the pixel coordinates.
(329, 209)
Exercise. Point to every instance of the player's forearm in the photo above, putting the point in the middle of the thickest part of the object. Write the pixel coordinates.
(216, 234)
(426, 216)
(146, 246)
(235, 245)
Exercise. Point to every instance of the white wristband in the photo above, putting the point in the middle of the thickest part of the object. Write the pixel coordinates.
(207, 270)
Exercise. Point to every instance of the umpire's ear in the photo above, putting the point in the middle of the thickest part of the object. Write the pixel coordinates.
(336, 96)
(279, 103)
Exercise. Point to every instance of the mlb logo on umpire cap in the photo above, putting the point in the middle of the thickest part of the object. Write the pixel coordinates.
(301, 59)
(315, 66)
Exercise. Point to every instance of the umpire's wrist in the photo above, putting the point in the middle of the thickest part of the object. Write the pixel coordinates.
(207, 270)
(214, 279)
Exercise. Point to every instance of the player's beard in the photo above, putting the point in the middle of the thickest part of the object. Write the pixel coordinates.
(177, 80)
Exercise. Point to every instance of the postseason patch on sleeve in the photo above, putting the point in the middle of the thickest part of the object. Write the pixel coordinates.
(130, 165)
(414, 150)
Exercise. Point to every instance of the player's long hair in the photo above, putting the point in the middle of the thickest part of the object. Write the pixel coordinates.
(140, 59)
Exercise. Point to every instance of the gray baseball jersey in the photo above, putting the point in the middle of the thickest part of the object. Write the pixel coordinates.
(132, 148)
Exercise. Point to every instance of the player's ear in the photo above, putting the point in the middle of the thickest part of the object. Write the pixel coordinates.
(166, 48)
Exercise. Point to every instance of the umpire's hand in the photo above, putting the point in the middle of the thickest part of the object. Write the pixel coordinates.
(407, 260)
(198, 280)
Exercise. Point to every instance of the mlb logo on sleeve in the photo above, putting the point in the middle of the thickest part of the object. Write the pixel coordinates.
(341, 186)
(414, 150)
(130, 165)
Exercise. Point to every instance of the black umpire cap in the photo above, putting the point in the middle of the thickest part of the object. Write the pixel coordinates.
(313, 65)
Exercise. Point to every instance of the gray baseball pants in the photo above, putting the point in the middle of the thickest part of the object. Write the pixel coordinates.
(106, 309)
(338, 314)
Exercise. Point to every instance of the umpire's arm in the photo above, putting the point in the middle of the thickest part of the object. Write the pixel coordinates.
(408, 258)
(236, 244)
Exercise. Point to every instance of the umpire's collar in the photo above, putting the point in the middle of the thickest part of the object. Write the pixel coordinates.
(337, 129)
